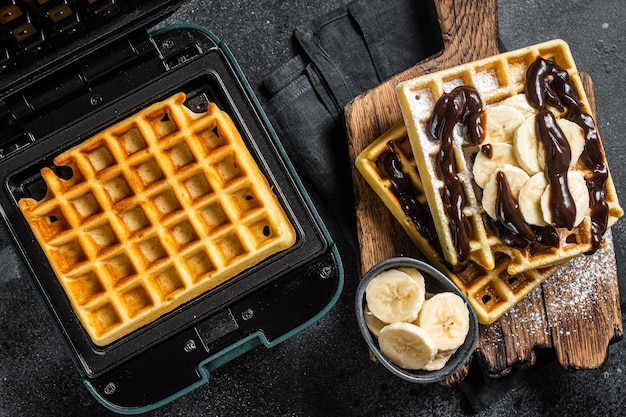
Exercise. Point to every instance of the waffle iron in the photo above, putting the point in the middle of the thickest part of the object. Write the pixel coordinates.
(71, 68)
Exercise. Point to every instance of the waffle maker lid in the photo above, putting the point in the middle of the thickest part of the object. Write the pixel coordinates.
(56, 98)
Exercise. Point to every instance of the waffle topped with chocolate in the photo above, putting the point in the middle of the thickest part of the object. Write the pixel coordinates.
(475, 185)
(498, 212)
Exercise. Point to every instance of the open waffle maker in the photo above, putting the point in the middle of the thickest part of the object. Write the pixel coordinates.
(72, 68)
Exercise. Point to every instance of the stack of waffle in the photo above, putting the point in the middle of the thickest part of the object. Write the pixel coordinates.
(404, 167)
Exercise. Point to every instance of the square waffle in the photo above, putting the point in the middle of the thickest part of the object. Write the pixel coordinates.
(389, 167)
(159, 208)
(496, 79)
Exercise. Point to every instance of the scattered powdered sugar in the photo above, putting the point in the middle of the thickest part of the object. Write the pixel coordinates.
(422, 103)
(429, 147)
(574, 295)
(578, 292)
(451, 84)
(486, 81)
(531, 320)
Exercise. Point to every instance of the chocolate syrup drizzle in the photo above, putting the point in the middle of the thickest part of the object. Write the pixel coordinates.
(558, 156)
(487, 150)
(512, 228)
(548, 84)
(461, 105)
(406, 193)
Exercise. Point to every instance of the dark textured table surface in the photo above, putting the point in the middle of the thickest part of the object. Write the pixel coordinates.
(324, 370)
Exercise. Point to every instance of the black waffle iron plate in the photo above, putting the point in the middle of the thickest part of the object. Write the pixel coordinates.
(69, 69)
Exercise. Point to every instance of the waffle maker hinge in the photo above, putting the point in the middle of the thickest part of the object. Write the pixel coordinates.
(25, 116)
(69, 82)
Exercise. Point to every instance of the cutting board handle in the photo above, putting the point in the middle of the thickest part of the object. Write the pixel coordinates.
(469, 29)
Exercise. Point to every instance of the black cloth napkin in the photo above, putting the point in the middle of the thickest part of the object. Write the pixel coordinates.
(342, 54)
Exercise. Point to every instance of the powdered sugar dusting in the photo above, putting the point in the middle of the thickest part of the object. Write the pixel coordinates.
(486, 81)
(531, 320)
(451, 84)
(570, 297)
(579, 291)
(422, 103)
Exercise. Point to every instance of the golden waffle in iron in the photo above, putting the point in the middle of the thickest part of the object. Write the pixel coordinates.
(490, 292)
(495, 79)
(160, 208)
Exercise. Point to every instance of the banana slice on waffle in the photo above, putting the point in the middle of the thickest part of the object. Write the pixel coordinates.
(161, 207)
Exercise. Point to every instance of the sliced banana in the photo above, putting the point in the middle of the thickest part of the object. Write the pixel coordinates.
(439, 361)
(373, 323)
(445, 317)
(516, 178)
(394, 296)
(527, 146)
(484, 166)
(529, 199)
(580, 194)
(407, 345)
(418, 277)
(530, 151)
(501, 122)
(520, 103)
(576, 139)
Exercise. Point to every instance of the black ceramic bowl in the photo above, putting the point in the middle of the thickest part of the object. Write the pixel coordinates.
(435, 282)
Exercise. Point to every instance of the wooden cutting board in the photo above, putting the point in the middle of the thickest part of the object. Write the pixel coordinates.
(576, 312)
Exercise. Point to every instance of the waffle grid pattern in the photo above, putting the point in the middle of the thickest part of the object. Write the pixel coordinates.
(496, 78)
(160, 208)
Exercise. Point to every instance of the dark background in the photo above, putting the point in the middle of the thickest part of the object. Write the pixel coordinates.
(324, 370)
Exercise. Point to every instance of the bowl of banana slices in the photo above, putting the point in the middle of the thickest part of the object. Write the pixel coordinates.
(417, 323)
